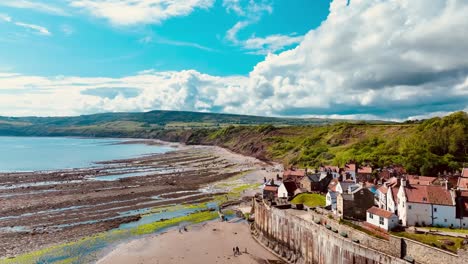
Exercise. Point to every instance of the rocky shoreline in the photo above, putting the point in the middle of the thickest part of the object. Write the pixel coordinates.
(40, 209)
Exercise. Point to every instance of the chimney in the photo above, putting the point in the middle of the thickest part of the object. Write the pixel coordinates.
(272, 182)
(446, 184)
(403, 182)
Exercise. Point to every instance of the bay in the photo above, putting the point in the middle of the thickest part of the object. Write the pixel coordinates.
(54, 153)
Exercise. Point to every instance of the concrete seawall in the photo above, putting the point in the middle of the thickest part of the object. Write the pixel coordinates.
(304, 241)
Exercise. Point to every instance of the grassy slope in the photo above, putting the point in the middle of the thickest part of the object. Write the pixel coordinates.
(309, 199)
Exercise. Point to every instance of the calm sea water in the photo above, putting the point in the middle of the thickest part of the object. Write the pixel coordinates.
(44, 153)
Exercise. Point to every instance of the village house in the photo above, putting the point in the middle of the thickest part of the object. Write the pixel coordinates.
(333, 170)
(420, 180)
(288, 189)
(426, 205)
(384, 197)
(381, 218)
(354, 202)
(270, 190)
(317, 182)
(336, 187)
(392, 199)
(357, 173)
(389, 172)
(349, 173)
(294, 174)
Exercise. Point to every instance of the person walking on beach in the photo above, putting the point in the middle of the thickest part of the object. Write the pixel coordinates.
(234, 251)
(238, 251)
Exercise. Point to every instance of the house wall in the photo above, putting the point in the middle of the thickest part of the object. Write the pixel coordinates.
(382, 200)
(269, 195)
(402, 207)
(375, 220)
(388, 224)
(391, 206)
(331, 200)
(357, 207)
(418, 214)
(305, 183)
(282, 192)
(445, 216)
(464, 222)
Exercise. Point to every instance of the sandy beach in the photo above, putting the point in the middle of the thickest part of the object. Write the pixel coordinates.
(210, 242)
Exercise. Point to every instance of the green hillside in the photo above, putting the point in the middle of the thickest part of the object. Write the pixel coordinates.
(432, 146)
(424, 147)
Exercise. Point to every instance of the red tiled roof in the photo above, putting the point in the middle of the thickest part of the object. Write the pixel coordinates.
(366, 169)
(428, 194)
(383, 189)
(350, 167)
(421, 180)
(380, 212)
(332, 185)
(464, 172)
(271, 188)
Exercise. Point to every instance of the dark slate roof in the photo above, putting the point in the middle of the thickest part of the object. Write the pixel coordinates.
(314, 177)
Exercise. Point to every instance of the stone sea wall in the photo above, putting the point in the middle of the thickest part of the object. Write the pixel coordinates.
(304, 241)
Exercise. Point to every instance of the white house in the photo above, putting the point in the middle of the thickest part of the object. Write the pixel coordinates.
(426, 205)
(381, 197)
(386, 194)
(381, 218)
(287, 189)
(335, 188)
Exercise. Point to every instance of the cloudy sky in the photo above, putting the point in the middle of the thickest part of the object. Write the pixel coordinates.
(385, 59)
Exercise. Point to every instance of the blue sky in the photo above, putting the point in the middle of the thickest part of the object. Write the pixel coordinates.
(82, 44)
(360, 59)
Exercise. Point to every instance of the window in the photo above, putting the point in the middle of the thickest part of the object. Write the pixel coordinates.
(445, 220)
(409, 207)
(381, 221)
(371, 216)
(435, 209)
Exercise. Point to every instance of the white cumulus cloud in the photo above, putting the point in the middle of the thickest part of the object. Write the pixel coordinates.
(371, 59)
(133, 12)
(35, 5)
(38, 29)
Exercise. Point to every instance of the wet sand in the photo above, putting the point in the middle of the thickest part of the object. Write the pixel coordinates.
(40, 209)
(207, 243)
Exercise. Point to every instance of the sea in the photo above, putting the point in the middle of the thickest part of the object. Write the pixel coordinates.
(54, 153)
